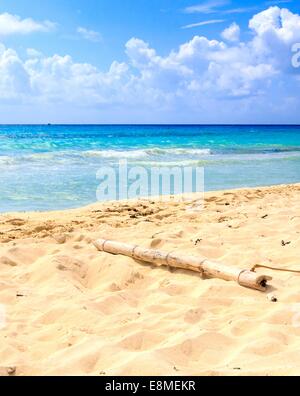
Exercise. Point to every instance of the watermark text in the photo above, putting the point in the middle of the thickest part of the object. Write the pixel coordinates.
(175, 183)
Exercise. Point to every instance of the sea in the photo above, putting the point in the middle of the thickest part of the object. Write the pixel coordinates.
(51, 167)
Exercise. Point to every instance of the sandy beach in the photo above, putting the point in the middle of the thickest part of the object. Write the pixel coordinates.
(71, 310)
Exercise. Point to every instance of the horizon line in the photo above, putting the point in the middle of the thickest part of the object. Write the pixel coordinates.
(138, 124)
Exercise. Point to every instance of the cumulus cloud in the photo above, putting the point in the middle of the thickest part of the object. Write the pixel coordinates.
(14, 79)
(282, 23)
(33, 53)
(275, 31)
(232, 33)
(89, 35)
(13, 24)
(195, 75)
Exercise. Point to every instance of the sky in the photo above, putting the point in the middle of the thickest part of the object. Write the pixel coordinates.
(141, 61)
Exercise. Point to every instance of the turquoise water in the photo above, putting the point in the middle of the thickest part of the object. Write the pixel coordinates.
(54, 167)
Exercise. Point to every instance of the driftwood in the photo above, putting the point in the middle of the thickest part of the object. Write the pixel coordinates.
(202, 265)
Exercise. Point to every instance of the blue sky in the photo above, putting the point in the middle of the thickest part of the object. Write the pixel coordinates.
(141, 61)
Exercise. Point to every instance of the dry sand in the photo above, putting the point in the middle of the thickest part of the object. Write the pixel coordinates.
(71, 310)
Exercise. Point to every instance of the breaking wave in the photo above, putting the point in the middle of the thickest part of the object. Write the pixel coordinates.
(151, 156)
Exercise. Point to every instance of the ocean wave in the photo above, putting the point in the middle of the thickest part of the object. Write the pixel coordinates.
(105, 154)
(178, 151)
(152, 156)
(113, 154)
(5, 160)
(142, 153)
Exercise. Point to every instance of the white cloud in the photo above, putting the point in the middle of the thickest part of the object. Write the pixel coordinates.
(33, 53)
(140, 53)
(207, 7)
(200, 72)
(203, 23)
(232, 33)
(217, 6)
(89, 35)
(13, 24)
(275, 30)
(14, 79)
(241, 10)
(282, 23)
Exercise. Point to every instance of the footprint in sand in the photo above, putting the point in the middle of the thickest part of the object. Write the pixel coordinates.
(16, 222)
(7, 261)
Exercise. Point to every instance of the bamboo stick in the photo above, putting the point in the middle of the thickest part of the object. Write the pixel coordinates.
(202, 265)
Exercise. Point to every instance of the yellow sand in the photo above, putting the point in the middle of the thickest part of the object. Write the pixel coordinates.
(73, 310)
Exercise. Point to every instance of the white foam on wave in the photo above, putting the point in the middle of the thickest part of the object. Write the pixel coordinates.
(141, 156)
(5, 160)
(107, 154)
(174, 163)
(144, 153)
